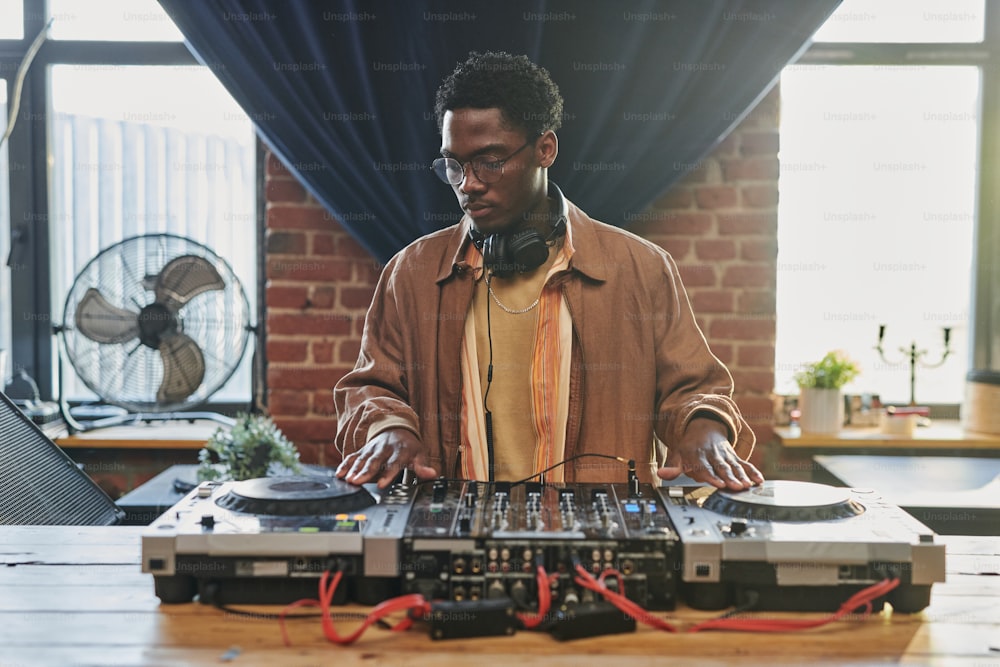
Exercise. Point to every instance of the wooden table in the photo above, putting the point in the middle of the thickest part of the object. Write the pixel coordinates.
(942, 436)
(73, 595)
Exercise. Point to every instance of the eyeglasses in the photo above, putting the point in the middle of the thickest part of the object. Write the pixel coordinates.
(487, 169)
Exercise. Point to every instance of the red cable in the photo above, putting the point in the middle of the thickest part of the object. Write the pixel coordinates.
(417, 603)
(627, 606)
(862, 598)
(532, 621)
(408, 603)
(614, 573)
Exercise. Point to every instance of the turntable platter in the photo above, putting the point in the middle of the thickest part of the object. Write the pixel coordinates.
(295, 495)
(785, 500)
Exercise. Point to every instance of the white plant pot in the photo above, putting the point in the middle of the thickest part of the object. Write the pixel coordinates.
(822, 410)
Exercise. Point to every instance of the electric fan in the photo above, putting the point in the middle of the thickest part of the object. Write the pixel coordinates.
(155, 324)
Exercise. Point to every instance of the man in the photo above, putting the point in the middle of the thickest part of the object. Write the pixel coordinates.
(529, 334)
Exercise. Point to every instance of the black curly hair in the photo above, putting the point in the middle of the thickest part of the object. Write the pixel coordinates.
(523, 91)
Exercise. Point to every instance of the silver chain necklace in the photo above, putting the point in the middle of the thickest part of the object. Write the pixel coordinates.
(510, 311)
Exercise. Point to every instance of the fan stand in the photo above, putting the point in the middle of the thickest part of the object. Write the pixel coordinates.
(74, 426)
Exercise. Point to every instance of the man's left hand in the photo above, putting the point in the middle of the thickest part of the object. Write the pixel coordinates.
(705, 454)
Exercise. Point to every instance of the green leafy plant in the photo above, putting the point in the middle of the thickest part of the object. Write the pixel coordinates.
(833, 371)
(247, 450)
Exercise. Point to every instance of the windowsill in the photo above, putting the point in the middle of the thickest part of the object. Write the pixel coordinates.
(154, 435)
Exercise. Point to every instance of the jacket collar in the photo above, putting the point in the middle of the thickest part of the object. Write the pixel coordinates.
(587, 257)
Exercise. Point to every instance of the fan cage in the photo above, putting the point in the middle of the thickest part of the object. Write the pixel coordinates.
(129, 374)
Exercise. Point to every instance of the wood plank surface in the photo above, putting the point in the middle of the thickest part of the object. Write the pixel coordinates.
(61, 604)
(942, 434)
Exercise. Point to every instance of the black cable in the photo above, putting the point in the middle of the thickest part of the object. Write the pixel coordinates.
(753, 598)
(261, 615)
(491, 459)
(569, 460)
(583, 455)
(342, 616)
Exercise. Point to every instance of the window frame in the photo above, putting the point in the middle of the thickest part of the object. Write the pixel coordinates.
(986, 251)
(33, 343)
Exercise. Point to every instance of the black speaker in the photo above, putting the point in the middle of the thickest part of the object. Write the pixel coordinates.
(40, 484)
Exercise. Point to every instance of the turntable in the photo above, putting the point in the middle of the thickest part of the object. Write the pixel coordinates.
(782, 545)
(788, 545)
(295, 496)
(269, 540)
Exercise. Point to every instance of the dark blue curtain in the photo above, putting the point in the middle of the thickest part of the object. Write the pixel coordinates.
(343, 91)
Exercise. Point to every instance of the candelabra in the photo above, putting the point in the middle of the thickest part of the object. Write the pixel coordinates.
(915, 355)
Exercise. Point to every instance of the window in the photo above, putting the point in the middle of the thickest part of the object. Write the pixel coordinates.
(878, 196)
(12, 25)
(145, 150)
(5, 313)
(905, 21)
(111, 20)
(135, 137)
(875, 220)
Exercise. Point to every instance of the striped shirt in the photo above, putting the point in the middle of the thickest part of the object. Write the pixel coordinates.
(528, 396)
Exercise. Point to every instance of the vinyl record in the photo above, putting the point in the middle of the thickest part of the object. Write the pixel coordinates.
(784, 500)
(295, 495)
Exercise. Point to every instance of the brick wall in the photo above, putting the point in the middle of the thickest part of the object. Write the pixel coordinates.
(719, 224)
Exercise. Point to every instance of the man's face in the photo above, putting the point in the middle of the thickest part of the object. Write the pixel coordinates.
(499, 206)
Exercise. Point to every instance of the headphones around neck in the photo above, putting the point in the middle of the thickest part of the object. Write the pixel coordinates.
(524, 250)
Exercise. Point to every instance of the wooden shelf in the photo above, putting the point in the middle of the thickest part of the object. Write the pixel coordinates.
(940, 435)
(152, 435)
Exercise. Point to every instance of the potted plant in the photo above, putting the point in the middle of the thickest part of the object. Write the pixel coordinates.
(820, 402)
(248, 450)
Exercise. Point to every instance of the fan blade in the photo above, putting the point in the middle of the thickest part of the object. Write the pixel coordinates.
(184, 278)
(183, 368)
(103, 322)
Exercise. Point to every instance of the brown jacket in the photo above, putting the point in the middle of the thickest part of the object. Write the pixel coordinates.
(640, 363)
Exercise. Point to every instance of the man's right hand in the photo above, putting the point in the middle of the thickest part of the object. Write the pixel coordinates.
(384, 457)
